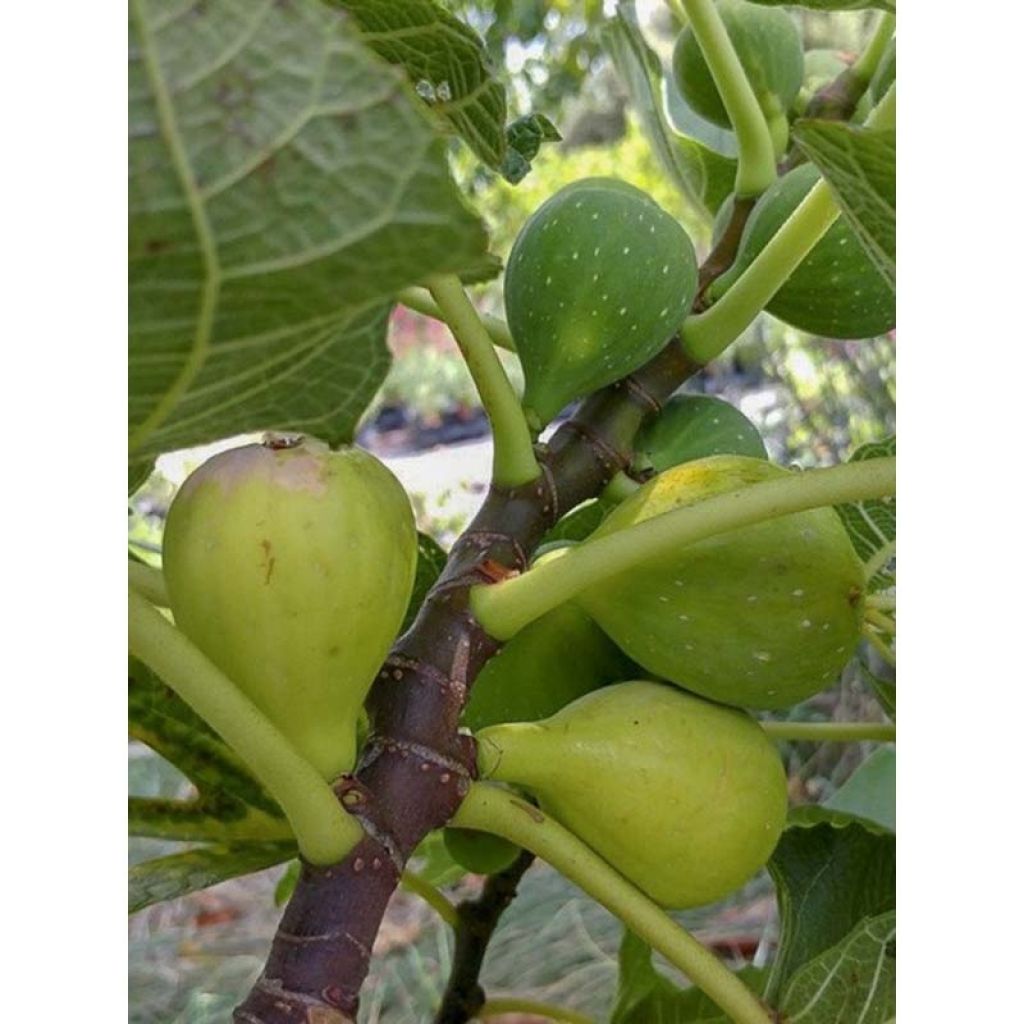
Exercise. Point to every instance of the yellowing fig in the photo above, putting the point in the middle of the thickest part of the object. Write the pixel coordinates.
(762, 617)
(686, 798)
(290, 567)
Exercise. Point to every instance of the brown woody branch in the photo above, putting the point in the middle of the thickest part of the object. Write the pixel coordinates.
(464, 995)
(416, 767)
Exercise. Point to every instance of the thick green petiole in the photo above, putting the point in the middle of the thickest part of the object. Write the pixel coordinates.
(867, 63)
(755, 169)
(505, 608)
(490, 808)
(419, 300)
(149, 582)
(708, 334)
(514, 461)
(831, 732)
(324, 831)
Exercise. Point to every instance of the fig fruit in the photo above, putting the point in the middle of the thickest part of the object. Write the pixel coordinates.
(836, 291)
(761, 617)
(768, 45)
(685, 797)
(597, 281)
(290, 566)
(555, 659)
(694, 426)
(479, 852)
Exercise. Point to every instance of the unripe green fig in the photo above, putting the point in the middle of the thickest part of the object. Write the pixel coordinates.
(836, 291)
(694, 426)
(290, 566)
(552, 661)
(597, 281)
(479, 852)
(761, 617)
(768, 46)
(685, 797)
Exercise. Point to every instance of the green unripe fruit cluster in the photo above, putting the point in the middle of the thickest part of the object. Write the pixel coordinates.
(768, 46)
(761, 617)
(290, 567)
(836, 291)
(684, 797)
(597, 281)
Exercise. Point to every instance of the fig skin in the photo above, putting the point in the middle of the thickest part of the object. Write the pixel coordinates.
(685, 797)
(290, 567)
(760, 617)
(597, 281)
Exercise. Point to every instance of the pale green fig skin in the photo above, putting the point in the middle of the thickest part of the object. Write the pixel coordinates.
(290, 568)
(695, 426)
(597, 281)
(550, 663)
(760, 617)
(685, 797)
(768, 45)
(836, 291)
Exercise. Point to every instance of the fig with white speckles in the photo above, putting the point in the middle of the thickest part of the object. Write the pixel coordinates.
(685, 797)
(836, 291)
(598, 280)
(290, 567)
(760, 617)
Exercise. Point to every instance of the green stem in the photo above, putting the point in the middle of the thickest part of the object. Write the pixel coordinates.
(514, 461)
(884, 602)
(880, 619)
(755, 169)
(879, 560)
(419, 300)
(879, 645)
(505, 608)
(499, 1007)
(431, 895)
(149, 582)
(867, 63)
(619, 488)
(490, 808)
(831, 732)
(708, 334)
(324, 831)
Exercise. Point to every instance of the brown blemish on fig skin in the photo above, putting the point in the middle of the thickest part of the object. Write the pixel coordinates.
(268, 560)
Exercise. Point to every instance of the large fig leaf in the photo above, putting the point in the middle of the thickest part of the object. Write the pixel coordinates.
(447, 63)
(872, 524)
(284, 182)
(855, 980)
(860, 165)
(870, 792)
(831, 871)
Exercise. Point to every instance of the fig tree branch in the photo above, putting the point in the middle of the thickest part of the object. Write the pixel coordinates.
(415, 768)
(322, 829)
(494, 809)
(514, 461)
(464, 996)
(504, 608)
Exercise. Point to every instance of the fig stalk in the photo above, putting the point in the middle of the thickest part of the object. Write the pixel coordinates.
(492, 809)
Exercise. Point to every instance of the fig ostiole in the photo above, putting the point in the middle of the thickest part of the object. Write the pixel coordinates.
(763, 616)
(685, 797)
(596, 283)
(290, 566)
